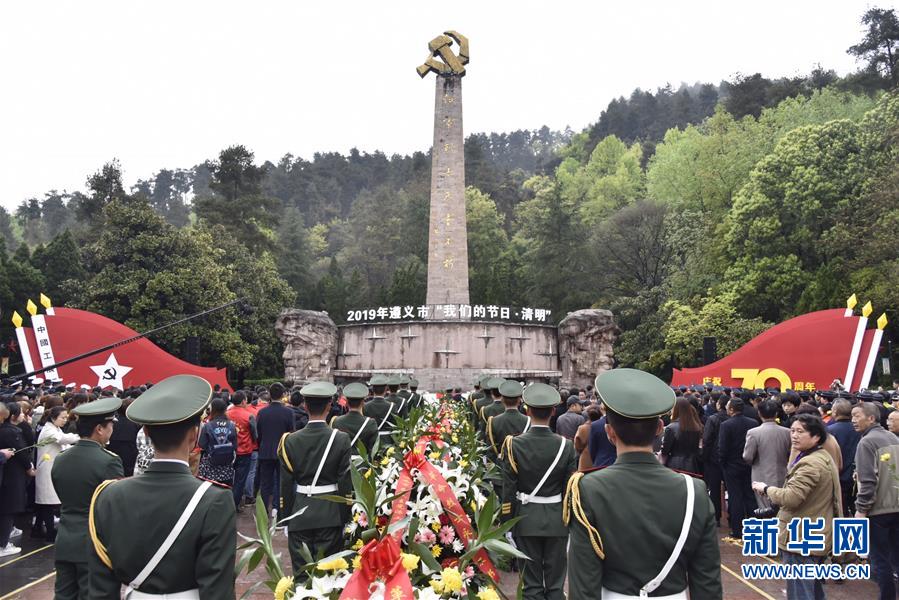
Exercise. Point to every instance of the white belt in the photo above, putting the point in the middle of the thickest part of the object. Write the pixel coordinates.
(528, 499)
(186, 595)
(311, 490)
(609, 595)
(385, 433)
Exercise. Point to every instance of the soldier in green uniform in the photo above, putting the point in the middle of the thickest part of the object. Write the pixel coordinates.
(356, 425)
(399, 403)
(476, 395)
(493, 398)
(637, 527)
(510, 421)
(379, 409)
(315, 461)
(76, 474)
(536, 466)
(415, 399)
(165, 533)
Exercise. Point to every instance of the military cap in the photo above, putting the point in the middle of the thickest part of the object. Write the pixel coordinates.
(378, 379)
(85, 386)
(511, 389)
(70, 386)
(483, 379)
(413, 382)
(37, 381)
(355, 390)
(540, 395)
(865, 396)
(172, 400)
(830, 395)
(393, 380)
(104, 408)
(634, 393)
(404, 379)
(318, 389)
(493, 383)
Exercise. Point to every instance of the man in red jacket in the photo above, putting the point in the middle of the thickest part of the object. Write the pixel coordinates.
(245, 418)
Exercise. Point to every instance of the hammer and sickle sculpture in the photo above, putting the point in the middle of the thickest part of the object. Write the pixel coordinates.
(449, 63)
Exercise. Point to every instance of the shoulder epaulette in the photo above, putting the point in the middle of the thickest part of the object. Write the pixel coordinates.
(110, 452)
(283, 454)
(102, 553)
(571, 505)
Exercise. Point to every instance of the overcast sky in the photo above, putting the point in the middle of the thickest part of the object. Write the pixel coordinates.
(167, 84)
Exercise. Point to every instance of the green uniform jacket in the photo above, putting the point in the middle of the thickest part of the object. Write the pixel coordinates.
(350, 424)
(473, 399)
(76, 474)
(414, 399)
(526, 458)
(510, 422)
(300, 453)
(635, 508)
(400, 404)
(377, 408)
(132, 517)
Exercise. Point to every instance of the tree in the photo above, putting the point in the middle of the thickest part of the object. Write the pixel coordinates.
(7, 236)
(28, 215)
(61, 265)
(146, 273)
(166, 194)
(104, 186)
(488, 251)
(880, 46)
(237, 201)
(24, 280)
(55, 214)
(294, 257)
(632, 250)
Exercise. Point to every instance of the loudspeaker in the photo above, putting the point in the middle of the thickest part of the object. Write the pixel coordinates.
(709, 350)
(192, 350)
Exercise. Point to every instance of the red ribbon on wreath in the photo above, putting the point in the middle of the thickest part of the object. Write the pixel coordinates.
(380, 560)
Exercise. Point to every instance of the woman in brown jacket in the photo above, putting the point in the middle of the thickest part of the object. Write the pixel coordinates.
(811, 490)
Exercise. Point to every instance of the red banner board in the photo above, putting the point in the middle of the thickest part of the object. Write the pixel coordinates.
(72, 332)
(806, 352)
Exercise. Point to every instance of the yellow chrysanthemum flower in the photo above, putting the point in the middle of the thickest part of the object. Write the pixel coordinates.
(463, 463)
(885, 457)
(436, 585)
(436, 550)
(357, 562)
(435, 527)
(434, 455)
(45, 457)
(390, 451)
(357, 545)
(488, 594)
(285, 584)
(333, 565)
(452, 579)
(385, 461)
(410, 561)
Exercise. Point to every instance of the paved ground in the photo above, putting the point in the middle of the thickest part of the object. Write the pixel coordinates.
(29, 576)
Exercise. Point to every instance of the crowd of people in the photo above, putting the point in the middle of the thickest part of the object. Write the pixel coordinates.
(756, 454)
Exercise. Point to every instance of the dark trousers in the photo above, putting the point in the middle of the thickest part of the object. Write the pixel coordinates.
(885, 552)
(71, 581)
(127, 451)
(269, 482)
(241, 470)
(543, 576)
(43, 515)
(740, 499)
(321, 542)
(6, 524)
(846, 489)
(714, 477)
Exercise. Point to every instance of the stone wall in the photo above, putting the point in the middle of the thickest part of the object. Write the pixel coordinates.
(310, 344)
(586, 339)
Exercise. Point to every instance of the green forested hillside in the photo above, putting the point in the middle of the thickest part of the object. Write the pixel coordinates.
(715, 209)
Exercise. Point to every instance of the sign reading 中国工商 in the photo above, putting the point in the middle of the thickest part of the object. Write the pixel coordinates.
(449, 311)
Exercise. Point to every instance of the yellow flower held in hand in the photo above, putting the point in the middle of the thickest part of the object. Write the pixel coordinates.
(410, 561)
(333, 565)
(452, 579)
(285, 584)
(488, 594)
(885, 457)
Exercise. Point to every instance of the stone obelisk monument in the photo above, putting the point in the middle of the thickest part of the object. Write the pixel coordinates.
(447, 236)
